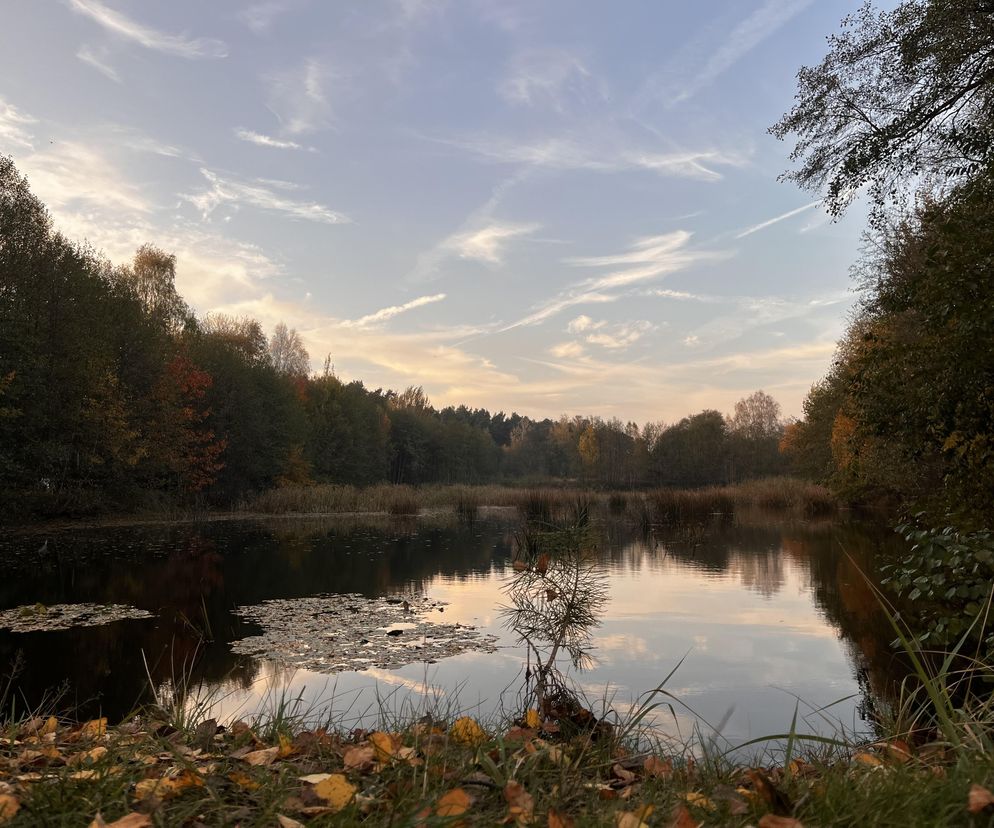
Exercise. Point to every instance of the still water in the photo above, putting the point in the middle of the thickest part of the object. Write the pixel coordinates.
(763, 613)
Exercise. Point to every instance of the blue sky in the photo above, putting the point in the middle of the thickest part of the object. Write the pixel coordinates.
(540, 206)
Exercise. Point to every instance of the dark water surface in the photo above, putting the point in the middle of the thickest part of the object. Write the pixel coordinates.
(765, 611)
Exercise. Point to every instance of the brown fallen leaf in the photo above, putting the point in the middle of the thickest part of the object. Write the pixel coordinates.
(287, 822)
(87, 757)
(558, 820)
(360, 758)
(454, 803)
(776, 799)
(774, 821)
(870, 760)
(979, 799)
(93, 729)
(542, 564)
(657, 768)
(266, 756)
(243, 780)
(680, 818)
(132, 820)
(521, 805)
(336, 790)
(167, 787)
(9, 806)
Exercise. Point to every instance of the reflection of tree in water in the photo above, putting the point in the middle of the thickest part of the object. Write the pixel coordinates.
(191, 576)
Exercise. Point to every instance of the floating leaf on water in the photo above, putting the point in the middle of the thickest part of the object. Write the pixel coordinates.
(39, 618)
(332, 633)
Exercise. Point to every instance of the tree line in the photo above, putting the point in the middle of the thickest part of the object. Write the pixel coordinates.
(114, 393)
(902, 108)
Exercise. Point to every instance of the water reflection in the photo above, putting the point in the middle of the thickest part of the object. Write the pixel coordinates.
(766, 610)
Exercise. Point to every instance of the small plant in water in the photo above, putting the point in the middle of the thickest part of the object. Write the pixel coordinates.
(557, 593)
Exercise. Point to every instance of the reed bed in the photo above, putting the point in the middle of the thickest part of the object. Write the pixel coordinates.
(548, 504)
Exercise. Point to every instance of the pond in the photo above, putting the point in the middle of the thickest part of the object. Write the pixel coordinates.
(758, 613)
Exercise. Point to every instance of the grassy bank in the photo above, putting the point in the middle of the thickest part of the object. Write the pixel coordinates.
(552, 770)
(782, 494)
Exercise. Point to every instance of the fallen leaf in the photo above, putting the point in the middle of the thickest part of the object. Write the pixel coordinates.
(869, 759)
(979, 799)
(558, 820)
(286, 747)
(698, 800)
(657, 768)
(166, 787)
(680, 818)
(542, 564)
(336, 790)
(454, 803)
(533, 719)
(521, 806)
(466, 731)
(314, 778)
(384, 745)
(93, 729)
(132, 820)
(9, 806)
(87, 757)
(266, 756)
(243, 780)
(774, 821)
(634, 819)
(287, 822)
(360, 758)
(50, 726)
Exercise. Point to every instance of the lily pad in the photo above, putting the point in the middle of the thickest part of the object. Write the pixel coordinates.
(40, 618)
(332, 633)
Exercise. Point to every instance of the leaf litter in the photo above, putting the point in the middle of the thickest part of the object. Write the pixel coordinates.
(333, 633)
(41, 618)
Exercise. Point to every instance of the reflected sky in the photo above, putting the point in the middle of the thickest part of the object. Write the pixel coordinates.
(759, 616)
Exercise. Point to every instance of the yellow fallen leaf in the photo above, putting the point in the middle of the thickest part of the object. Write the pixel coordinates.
(93, 729)
(533, 719)
(286, 747)
(9, 806)
(87, 757)
(868, 759)
(167, 787)
(50, 726)
(243, 780)
(266, 756)
(454, 803)
(698, 800)
(336, 790)
(466, 731)
(979, 799)
(383, 744)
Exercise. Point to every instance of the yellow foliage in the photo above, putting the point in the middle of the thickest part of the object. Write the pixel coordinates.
(336, 790)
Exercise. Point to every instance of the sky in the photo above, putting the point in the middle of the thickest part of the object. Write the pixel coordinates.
(547, 207)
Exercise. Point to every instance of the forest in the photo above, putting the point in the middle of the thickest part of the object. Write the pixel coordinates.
(114, 394)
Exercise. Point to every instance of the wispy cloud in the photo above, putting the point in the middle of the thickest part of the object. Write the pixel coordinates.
(298, 97)
(487, 243)
(232, 192)
(613, 337)
(123, 26)
(269, 141)
(383, 314)
(551, 78)
(648, 258)
(567, 154)
(98, 60)
(13, 123)
(687, 73)
(764, 224)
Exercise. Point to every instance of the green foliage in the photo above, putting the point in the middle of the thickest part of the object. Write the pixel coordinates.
(946, 580)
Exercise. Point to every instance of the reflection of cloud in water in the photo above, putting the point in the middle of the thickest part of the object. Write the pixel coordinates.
(422, 688)
(606, 647)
